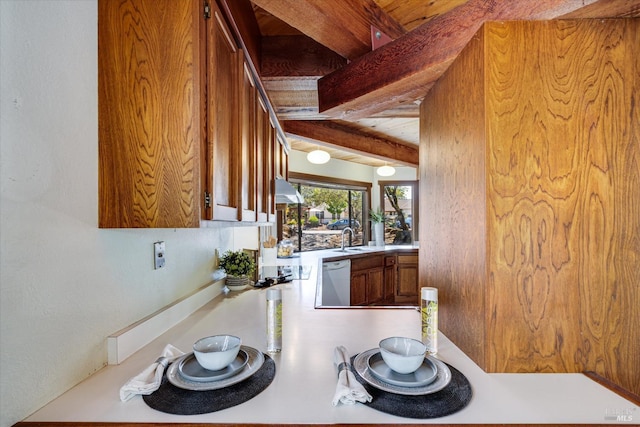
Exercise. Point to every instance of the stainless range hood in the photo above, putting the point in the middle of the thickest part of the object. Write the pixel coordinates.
(286, 193)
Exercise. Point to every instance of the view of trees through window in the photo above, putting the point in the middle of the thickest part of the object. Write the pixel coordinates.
(399, 206)
(318, 223)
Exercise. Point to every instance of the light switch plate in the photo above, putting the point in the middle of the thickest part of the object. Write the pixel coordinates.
(158, 255)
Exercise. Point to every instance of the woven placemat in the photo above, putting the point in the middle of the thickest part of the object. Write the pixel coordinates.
(174, 400)
(455, 396)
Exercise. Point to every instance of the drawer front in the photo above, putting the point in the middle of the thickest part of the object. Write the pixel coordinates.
(408, 259)
(367, 263)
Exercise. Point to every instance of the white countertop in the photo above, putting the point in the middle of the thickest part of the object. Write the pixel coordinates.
(305, 381)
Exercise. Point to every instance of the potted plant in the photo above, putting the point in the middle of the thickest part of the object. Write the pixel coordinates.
(377, 219)
(238, 265)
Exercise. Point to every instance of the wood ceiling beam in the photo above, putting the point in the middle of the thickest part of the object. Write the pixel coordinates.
(607, 9)
(403, 70)
(297, 56)
(371, 14)
(340, 136)
(344, 26)
(297, 99)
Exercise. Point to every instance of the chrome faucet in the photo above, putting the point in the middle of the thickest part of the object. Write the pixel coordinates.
(344, 231)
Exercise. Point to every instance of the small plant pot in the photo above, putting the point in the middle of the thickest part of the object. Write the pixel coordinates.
(237, 283)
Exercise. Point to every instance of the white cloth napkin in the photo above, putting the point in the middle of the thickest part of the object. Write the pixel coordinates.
(148, 381)
(348, 390)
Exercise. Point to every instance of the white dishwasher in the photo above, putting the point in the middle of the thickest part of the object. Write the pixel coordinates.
(336, 283)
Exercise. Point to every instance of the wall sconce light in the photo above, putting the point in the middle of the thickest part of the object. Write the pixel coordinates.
(386, 170)
(318, 157)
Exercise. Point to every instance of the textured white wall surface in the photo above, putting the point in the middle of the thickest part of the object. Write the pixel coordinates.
(65, 285)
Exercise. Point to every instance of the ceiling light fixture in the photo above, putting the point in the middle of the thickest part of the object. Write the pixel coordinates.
(318, 156)
(386, 170)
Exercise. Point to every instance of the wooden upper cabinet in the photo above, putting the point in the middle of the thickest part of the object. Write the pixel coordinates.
(281, 161)
(263, 142)
(184, 132)
(223, 112)
(249, 149)
(270, 189)
(149, 127)
(267, 146)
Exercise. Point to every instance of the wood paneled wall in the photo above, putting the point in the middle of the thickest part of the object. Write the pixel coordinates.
(530, 187)
(452, 215)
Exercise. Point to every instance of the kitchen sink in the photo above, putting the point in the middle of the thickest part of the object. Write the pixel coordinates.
(353, 249)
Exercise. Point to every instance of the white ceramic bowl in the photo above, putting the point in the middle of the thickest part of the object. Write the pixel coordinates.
(403, 355)
(216, 352)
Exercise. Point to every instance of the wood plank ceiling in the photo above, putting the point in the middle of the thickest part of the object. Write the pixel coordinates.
(349, 74)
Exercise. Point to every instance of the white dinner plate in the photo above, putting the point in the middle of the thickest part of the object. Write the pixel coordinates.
(191, 370)
(423, 376)
(254, 362)
(443, 376)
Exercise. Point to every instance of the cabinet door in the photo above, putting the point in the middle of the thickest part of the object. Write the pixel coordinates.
(249, 146)
(281, 161)
(407, 289)
(262, 172)
(149, 114)
(359, 288)
(375, 286)
(272, 171)
(222, 120)
(389, 279)
(284, 162)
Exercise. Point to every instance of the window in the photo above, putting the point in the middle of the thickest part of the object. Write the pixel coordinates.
(329, 207)
(400, 204)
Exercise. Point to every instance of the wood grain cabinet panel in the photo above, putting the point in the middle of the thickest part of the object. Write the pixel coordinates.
(390, 279)
(179, 133)
(407, 279)
(250, 166)
(358, 293)
(367, 280)
(267, 145)
(375, 286)
(224, 90)
(530, 198)
(149, 114)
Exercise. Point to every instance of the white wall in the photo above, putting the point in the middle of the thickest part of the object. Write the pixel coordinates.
(65, 285)
(334, 168)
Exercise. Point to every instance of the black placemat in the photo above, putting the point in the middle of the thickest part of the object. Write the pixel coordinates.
(174, 400)
(455, 396)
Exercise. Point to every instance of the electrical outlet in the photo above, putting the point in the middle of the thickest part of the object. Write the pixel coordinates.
(158, 255)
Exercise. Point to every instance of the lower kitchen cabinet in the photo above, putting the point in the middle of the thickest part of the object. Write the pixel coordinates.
(385, 279)
(375, 286)
(407, 279)
(390, 278)
(367, 280)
